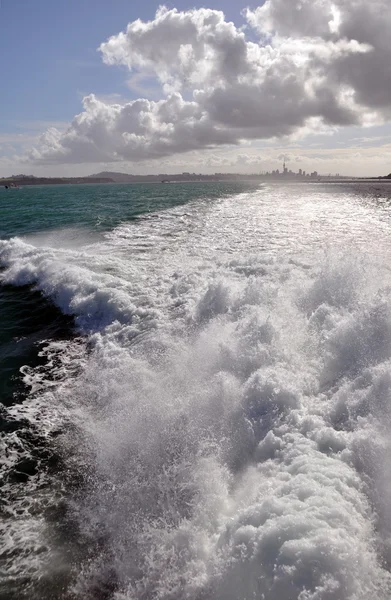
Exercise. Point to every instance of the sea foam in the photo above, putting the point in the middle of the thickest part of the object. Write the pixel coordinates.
(231, 414)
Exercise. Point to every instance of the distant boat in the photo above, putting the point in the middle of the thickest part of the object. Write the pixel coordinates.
(12, 186)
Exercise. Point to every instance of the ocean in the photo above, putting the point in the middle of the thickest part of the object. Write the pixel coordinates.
(195, 392)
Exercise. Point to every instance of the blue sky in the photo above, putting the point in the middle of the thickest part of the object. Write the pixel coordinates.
(50, 62)
(51, 54)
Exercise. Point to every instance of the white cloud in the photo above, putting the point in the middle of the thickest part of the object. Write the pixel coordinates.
(318, 65)
(367, 75)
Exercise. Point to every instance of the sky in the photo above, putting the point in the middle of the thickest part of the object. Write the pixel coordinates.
(226, 86)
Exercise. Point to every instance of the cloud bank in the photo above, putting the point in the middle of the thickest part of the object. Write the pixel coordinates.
(298, 66)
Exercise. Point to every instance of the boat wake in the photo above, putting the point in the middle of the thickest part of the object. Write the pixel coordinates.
(223, 422)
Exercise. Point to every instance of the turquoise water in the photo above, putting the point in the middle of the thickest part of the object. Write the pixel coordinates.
(97, 207)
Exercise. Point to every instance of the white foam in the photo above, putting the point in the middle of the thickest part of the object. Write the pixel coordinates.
(235, 398)
(27, 554)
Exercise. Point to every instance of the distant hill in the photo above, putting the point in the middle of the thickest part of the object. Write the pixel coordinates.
(164, 177)
(20, 180)
(114, 176)
(128, 178)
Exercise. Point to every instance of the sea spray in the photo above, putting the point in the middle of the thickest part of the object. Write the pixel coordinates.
(228, 426)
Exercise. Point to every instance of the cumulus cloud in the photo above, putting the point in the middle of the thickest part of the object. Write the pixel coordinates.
(314, 63)
(366, 75)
